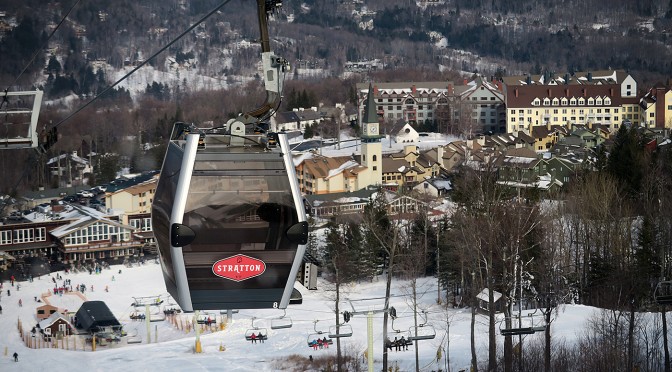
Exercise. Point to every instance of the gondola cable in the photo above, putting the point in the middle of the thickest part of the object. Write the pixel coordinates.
(213, 11)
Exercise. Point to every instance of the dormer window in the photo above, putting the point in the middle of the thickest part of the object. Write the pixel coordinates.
(598, 101)
(563, 101)
(607, 101)
(536, 102)
(547, 101)
(591, 101)
(582, 102)
(572, 102)
(556, 101)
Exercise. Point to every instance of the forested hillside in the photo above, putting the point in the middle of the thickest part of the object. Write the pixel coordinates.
(518, 36)
(412, 40)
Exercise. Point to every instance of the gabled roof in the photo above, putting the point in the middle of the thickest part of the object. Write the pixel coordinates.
(139, 188)
(45, 323)
(599, 77)
(84, 221)
(286, 117)
(323, 166)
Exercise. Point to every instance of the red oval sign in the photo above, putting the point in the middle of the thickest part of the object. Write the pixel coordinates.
(239, 267)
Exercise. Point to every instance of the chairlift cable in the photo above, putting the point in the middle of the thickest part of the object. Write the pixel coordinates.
(46, 42)
(213, 11)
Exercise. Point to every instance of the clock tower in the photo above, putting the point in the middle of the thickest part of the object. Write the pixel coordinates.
(372, 150)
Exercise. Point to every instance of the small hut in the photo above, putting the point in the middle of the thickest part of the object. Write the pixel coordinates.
(95, 316)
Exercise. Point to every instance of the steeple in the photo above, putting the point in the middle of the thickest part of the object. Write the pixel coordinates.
(370, 113)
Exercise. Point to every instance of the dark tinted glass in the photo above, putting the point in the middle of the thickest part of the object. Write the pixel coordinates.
(235, 211)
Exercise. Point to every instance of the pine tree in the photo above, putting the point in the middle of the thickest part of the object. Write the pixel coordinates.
(626, 159)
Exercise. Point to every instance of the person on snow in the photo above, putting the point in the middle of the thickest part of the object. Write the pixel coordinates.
(253, 338)
(16, 356)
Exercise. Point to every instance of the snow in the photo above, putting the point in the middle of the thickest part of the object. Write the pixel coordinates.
(172, 350)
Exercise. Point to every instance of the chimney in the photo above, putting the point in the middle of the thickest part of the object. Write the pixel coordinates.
(464, 82)
(528, 80)
(611, 92)
(584, 91)
(515, 91)
(566, 92)
(414, 89)
(375, 90)
(549, 92)
(450, 89)
(567, 78)
(590, 76)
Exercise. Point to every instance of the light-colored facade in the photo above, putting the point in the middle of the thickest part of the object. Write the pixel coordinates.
(133, 200)
(656, 108)
(600, 97)
(485, 104)
(327, 175)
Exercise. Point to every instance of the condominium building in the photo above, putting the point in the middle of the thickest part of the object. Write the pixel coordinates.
(608, 98)
(473, 107)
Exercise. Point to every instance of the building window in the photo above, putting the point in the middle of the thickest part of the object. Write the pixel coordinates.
(5, 237)
(40, 234)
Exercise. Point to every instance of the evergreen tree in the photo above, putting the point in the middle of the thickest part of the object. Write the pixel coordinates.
(108, 168)
(647, 257)
(292, 100)
(626, 160)
(309, 132)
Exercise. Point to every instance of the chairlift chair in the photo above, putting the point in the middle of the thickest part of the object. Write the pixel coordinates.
(341, 330)
(134, 338)
(282, 322)
(262, 333)
(527, 325)
(421, 332)
(318, 334)
(203, 319)
(663, 293)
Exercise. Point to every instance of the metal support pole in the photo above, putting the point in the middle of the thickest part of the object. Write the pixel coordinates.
(369, 333)
(197, 346)
(149, 329)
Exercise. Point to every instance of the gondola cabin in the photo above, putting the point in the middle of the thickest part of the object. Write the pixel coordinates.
(20, 112)
(228, 220)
